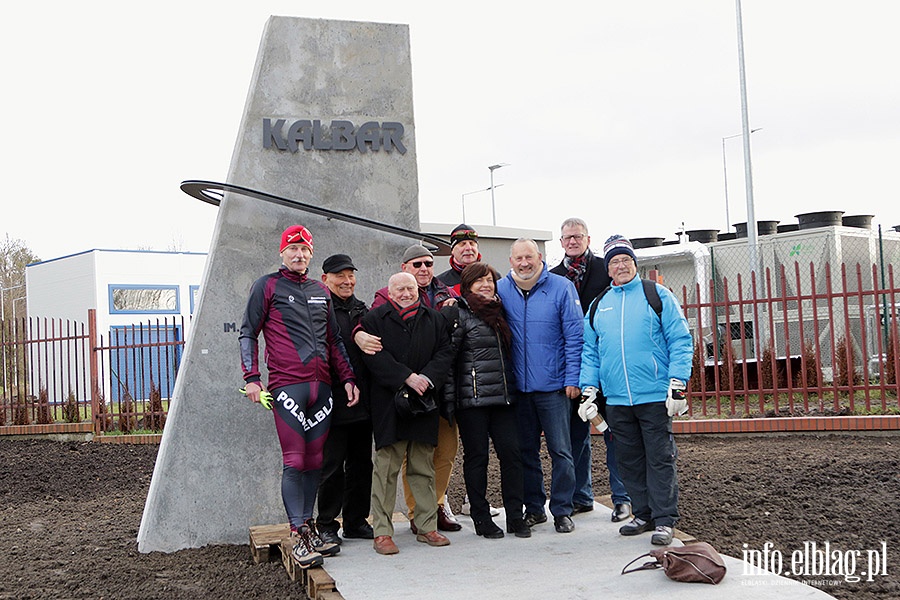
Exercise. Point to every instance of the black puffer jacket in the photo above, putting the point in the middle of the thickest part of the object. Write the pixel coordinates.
(482, 373)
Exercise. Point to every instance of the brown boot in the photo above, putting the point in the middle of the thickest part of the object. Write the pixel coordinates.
(446, 520)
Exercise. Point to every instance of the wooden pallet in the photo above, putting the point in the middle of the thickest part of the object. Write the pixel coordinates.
(266, 538)
(318, 582)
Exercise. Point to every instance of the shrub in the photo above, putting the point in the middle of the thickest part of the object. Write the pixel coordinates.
(103, 416)
(808, 366)
(845, 369)
(43, 414)
(71, 413)
(127, 420)
(890, 368)
(22, 414)
(156, 419)
(766, 366)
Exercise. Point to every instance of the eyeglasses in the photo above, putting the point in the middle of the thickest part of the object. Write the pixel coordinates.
(577, 237)
(618, 262)
(418, 263)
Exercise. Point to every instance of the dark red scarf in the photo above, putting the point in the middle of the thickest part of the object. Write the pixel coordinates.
(407, 313)
(576, 268)
(491, 312)
(458, 267)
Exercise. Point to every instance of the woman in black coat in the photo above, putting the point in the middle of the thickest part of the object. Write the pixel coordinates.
(480, 391)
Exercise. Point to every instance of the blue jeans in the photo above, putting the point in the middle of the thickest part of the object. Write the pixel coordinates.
(548, 412)
(645, 453)
(619, 493)
(581, 456)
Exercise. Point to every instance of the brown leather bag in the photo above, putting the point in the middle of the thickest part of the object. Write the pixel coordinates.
(693, 563)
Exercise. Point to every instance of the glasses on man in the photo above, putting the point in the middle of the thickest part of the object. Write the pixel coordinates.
(618, 262)
(577, 237)
(418, 263)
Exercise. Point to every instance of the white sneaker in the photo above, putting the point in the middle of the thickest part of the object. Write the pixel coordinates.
(466, 508)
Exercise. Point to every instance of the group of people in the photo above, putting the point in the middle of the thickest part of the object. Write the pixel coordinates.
(470, 355)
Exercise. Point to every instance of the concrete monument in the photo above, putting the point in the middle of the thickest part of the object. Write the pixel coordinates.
(328, 121)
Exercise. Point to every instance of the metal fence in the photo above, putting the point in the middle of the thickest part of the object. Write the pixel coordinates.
(60, 371)
(800, 339)
(796, 341)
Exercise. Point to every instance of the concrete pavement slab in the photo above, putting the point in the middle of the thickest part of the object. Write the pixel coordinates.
(586, 563)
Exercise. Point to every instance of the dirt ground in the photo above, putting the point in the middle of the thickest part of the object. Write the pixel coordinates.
(70, 511)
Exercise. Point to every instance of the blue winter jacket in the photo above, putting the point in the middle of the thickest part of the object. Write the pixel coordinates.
(632, 353)
(547, 331)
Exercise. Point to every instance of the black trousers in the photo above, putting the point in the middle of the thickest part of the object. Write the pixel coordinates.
(646, 453)
(478, 427)
(346, 485)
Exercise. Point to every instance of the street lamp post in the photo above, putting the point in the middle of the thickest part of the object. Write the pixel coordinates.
(14, 305)
(725, 175)
(493, 206)
(745, 128)
(469, 194)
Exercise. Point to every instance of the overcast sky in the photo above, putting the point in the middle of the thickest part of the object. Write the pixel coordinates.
(612, 111)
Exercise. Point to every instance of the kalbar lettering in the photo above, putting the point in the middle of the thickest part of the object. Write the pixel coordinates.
(338, 135)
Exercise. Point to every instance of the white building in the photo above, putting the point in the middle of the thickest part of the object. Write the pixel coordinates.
(139, 296)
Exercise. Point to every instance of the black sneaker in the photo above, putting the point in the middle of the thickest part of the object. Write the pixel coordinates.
(621, 512)
(318, 544)
(362, 532)
(532, 519)
(303, 553)
(328, 536)
(519, 528)
(636, 527)
(563, 524)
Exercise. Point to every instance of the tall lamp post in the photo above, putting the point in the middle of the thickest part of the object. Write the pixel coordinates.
(725, 175)
(493, 206)
(469, 194)
(745, 129)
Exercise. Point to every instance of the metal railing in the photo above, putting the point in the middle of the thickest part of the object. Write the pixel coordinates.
(796, 340)
(60, 371)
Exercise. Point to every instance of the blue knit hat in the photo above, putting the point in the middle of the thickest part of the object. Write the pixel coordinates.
(615, 245)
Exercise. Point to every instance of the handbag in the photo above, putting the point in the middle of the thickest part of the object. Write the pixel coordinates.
(410, 404)
(693, 563)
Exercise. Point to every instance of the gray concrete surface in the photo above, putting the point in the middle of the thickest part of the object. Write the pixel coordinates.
(219, 465)
(586, 563)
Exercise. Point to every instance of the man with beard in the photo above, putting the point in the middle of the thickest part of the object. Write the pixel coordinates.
(544, 314)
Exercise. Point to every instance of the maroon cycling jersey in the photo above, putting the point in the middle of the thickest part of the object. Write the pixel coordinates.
(303, 341)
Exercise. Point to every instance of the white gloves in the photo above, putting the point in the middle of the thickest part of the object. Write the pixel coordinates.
(676, 403)
(587, 410)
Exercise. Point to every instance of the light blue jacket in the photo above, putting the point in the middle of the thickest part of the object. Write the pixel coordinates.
(547, 332)
(632, 353)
